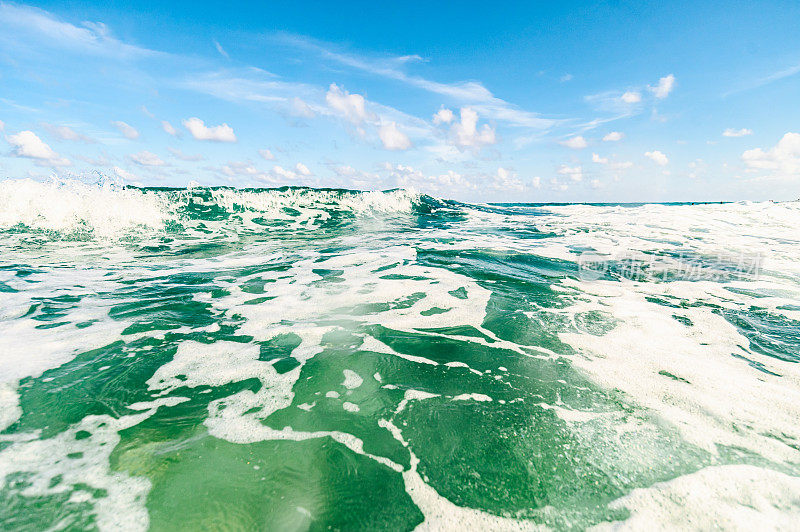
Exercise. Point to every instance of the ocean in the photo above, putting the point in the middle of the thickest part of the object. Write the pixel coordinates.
(307, 359)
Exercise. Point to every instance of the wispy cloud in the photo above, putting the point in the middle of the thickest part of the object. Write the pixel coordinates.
(91, 37)
(766, 80)
(221, 50)
(473, 93)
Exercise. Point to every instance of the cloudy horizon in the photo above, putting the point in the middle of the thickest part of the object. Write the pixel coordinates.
(535, 104)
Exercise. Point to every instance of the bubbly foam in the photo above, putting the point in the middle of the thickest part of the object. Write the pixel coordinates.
(74, 207)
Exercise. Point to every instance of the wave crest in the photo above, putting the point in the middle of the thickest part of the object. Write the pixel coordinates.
(107, 209)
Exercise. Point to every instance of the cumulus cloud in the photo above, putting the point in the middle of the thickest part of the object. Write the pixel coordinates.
(392, 138)
(199, 130)
(351, 106)
(782, 160)
(507, 180)
(146, 158)
(443, 116)
(466, 133)
(124, 174)
(631, 97)
(536, 182)
(168, 129)
(266, 155)
(576, 143)
(664, 87)
(281, 171)
(575, 173)
(615, 166)
(128, 131)
(614, 136)
(302, 169)
(241, 168)
(730, 132)
(657, 157)
(27, 144)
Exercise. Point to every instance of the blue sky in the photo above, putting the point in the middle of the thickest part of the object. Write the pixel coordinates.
(557, 101)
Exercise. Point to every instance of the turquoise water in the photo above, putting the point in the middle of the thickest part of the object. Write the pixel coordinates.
(300, 359)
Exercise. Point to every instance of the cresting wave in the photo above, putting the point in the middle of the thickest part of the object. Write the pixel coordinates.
(201, 358)
(108, 209)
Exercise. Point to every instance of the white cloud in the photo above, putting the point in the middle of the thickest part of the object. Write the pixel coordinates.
(443, 116)
(575, 173)
(565, 78)
(613, 165)
(468, 92)
(28, 144)
(466, 132)
(351, 106)
(124, 174)
(536, 182)
(730, 132)
(595, 183)
(576, 143)
(128, 131)
(392, 138)
(631, 97)
(266, 155)
(664, 87)
(178, 154)
(221, 50)
(288, 174)
(697, 168)
(168, 129)
(22, 22)
(198, 129)
(302, 169)
(2, 125)
(782, 160)
(67, 133)
(301, 108)
(241, 168)
(614, 136)
(146, 158)
(506, 180)
(657, 157)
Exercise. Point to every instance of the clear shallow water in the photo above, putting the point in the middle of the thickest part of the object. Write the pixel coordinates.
(305, 359)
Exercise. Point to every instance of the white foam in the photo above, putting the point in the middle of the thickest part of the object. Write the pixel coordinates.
(351, 379)
(472, 397)
(708, 409)
(350, 407)
(121, 507)
(71, 205)
(731, 497)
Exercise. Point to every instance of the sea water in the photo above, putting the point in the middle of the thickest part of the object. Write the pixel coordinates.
(302, 359)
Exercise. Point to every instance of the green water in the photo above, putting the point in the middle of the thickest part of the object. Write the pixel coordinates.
(309, 360)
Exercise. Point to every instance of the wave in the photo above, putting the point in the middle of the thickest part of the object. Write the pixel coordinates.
(108, 209)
